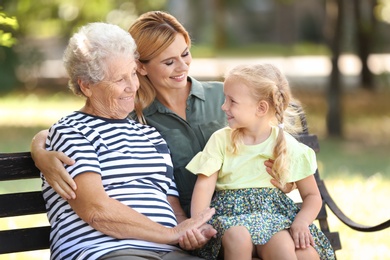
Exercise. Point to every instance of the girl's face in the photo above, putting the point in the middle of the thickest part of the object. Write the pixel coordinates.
(114, 96)
(169, 69)
(240, 107)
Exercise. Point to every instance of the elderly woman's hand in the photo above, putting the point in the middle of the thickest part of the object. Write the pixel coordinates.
(191, 230)
(197, 238)
(287, 188)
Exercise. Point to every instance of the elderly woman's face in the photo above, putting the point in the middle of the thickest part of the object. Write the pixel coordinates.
(114, 96)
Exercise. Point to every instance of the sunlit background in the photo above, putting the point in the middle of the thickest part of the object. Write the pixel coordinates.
(331, 51)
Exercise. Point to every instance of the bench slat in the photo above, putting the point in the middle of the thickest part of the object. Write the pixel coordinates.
(19, 204)
(17, 166)
(26, 239)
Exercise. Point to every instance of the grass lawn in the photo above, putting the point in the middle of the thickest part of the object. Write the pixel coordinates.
(356, 169)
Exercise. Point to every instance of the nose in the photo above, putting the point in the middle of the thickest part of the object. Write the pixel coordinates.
(184, 64)
(132, 84)
(224, 106)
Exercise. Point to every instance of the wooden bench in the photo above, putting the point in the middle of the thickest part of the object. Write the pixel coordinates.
(18, 166)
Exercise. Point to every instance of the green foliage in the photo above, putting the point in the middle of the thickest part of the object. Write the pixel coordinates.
(6, 37)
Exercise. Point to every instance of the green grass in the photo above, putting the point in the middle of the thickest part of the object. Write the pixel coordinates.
(356, 169)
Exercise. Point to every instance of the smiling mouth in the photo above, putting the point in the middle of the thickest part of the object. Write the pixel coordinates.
(126, 98)
(179, 77)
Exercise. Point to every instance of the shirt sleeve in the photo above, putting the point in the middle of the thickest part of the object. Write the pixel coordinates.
(69, 140)
(210, 159)
(303, 162)
(173, 189)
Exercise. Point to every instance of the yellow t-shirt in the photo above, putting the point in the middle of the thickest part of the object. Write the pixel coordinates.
(247, 169)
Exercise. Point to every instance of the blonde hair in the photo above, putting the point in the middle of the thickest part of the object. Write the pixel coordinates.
(266, 82)
(153, 32)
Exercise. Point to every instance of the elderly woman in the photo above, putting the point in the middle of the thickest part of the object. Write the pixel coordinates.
(122, 169)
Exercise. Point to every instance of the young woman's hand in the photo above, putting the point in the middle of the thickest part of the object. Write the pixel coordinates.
(51, 164)
(287, 188)
(52, 167)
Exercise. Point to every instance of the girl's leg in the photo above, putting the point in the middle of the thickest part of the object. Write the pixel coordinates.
(279, 247)
(237, 243)
(307, 253)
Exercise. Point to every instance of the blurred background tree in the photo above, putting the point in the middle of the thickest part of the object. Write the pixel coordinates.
(8, 26)
(219, 28)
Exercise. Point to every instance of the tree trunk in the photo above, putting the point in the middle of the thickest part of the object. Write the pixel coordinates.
(334, 37)
(220, 31)
(365, 26)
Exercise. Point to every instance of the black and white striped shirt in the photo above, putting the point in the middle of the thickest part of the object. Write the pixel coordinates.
(136, 169)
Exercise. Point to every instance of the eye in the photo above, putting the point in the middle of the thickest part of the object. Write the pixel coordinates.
(185, 54)
(168, 63)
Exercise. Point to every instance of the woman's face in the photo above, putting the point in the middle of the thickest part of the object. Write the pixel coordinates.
(114, 96)
(169, 70)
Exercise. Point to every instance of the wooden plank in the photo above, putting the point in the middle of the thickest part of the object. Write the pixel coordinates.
(27, 239)
(19, 204)
(16, 166)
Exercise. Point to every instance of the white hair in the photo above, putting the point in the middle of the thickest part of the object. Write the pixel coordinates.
(88, 49)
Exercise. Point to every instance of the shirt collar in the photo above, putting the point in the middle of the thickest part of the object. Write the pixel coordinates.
(196, 90)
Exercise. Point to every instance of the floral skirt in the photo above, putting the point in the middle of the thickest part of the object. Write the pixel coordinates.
(264, 212)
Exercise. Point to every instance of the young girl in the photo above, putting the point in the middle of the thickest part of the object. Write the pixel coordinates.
(254, 219)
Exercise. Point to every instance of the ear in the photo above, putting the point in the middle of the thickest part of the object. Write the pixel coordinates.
(141, 69)
(262, 108)
(85, 88)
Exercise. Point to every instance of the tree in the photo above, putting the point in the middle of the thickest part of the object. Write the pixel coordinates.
(6, 38)
(366, 24)
(8, 59)
(333, 35)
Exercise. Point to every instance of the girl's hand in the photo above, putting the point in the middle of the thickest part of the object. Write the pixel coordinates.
(301, 235)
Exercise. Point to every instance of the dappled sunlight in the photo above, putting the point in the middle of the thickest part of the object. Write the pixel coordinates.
(36, 110)
(22, 222)
(356, 169)
(365, 202)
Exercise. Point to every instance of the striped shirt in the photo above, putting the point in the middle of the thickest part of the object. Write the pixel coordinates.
(136, 169)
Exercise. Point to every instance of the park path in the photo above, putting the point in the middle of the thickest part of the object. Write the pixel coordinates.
(301, 70)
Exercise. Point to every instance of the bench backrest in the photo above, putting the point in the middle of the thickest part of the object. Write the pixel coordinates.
(17, 166)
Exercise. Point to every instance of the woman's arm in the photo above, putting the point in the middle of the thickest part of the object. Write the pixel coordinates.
(311, 205)
(51, 164)
(203, 192)
(115, 219)
(177, 209)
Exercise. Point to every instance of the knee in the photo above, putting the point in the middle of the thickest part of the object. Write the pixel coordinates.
(237, 237)
(307, 253)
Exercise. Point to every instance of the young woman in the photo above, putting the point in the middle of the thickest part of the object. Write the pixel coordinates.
(253, 218)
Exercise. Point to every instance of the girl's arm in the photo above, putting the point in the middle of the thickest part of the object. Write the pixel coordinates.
(203, 192)
(311, 205)
(51, 164)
